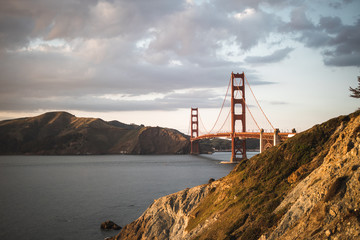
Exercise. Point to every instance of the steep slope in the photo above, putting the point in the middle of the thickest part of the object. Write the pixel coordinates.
(63, 133)
(327, 202)
(305, 188)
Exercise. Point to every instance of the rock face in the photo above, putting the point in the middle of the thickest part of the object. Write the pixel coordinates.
(305, 188)
(327, 202)
(167, 217)
(63, 133)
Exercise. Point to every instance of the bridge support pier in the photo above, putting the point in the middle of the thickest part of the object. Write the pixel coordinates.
(262, 142)
(194, 147)
(276, 137)
(266, 143)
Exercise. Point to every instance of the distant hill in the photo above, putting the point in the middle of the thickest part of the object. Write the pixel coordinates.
(63, 133)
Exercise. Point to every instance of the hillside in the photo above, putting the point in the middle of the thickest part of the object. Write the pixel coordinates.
(63, 133)
(304, 188)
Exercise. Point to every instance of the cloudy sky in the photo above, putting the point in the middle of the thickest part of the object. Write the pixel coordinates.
(148, 62)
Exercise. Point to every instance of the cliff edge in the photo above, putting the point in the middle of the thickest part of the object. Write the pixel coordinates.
(304, 188)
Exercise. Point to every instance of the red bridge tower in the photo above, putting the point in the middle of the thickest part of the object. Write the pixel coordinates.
(194, 131)
(238, 145)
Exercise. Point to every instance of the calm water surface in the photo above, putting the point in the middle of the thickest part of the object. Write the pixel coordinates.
(67, 197)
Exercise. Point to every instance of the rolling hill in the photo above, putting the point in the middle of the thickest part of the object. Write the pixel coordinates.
(63, 133)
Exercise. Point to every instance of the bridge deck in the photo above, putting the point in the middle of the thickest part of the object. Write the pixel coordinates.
(244, 135)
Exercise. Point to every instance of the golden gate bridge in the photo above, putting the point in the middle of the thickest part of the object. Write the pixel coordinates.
(237, 132)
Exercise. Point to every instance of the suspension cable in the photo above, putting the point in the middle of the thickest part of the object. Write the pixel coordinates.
(224, 121)
(259, 104)
(247, 107)
(201, 122)
(227, 117)
(222, 106)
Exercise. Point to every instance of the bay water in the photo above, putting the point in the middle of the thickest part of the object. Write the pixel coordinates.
(68, 197)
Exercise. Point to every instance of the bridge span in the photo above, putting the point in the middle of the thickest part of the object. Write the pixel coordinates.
(238, 143)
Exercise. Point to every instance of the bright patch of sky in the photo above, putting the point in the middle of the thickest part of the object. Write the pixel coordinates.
(244, 14)
(127, 97)
(175, 63)
(42, 45)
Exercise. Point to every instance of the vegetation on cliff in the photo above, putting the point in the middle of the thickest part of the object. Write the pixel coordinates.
(252, 191)
(312, 178)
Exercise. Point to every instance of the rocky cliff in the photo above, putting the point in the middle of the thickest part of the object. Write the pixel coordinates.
(305, 188)
(63, 133)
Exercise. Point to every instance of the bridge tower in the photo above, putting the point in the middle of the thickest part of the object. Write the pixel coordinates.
(238, 145)
(194, 131)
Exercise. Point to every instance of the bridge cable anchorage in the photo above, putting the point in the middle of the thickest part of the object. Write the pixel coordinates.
(247, 107)
(259, 104)
(222, 106)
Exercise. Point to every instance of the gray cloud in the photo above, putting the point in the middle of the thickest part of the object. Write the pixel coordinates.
(339, 41)
(276, 56)
(342, 42)
(338, 5)
(22, 20)
(137, 47)
(351, 59)
(201, 98)
(299, 21)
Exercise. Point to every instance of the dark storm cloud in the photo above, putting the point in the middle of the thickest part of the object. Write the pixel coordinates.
(276, 56)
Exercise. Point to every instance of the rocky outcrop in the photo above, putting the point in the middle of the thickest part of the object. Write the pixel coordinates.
(326, 203)
(305, 188)
(167, 217)
(63, 133)
(109, 225)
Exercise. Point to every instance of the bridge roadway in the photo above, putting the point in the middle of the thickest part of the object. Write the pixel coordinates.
(245, 135)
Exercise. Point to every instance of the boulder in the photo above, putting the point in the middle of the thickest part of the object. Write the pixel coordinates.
(109, 225)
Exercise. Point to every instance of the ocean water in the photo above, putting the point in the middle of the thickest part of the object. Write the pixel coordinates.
(67, 197)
